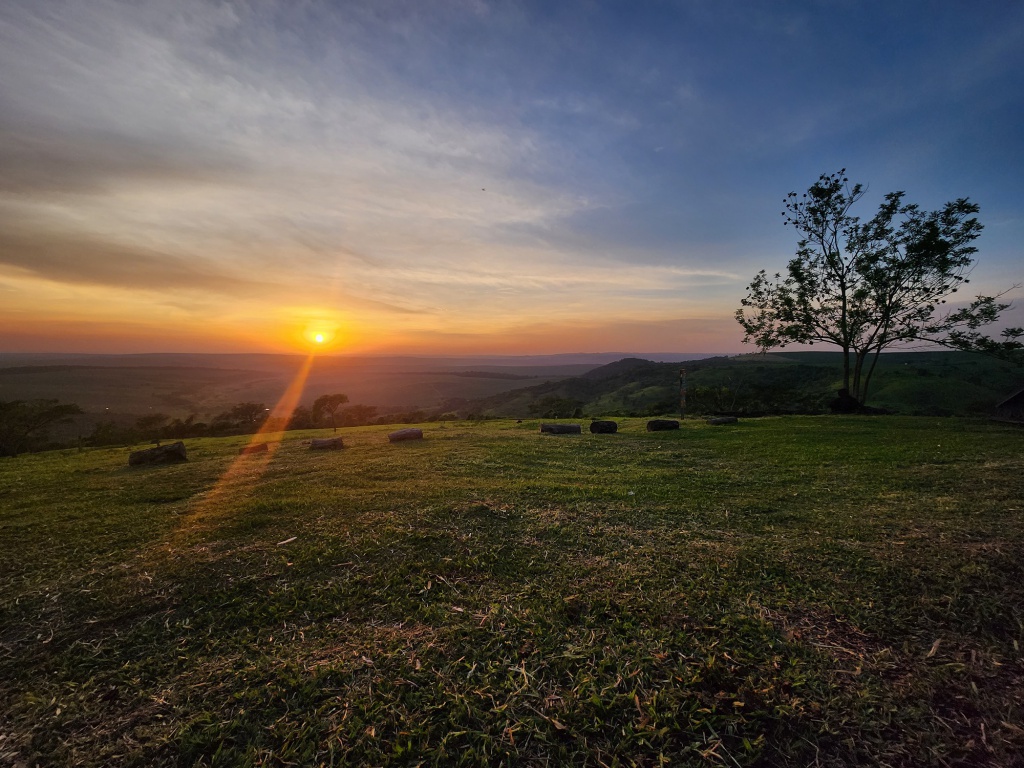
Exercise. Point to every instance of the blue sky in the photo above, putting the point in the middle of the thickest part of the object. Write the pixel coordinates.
(469, 176)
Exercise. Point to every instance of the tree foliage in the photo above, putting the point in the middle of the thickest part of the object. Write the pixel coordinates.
(23, 420)
(301, 418)
(329, 404)
(152, 424)
(555, 407)
(357, 415)
(241, 418)
(867, 286)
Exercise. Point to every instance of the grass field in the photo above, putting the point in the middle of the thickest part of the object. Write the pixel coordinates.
(784, 591)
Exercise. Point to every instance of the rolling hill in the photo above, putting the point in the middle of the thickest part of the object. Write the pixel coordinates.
(913, 383)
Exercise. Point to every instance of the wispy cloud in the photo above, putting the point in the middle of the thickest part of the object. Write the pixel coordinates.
(429, 165)
(136, 131)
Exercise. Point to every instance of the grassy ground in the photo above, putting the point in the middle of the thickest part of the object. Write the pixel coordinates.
(796, 591)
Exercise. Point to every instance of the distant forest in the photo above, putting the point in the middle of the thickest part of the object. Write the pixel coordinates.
(917, 383)
(911, 383)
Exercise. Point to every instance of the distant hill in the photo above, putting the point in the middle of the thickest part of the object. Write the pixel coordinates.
(179, 384)
(120, 389)
(278, 362)
(914, 383)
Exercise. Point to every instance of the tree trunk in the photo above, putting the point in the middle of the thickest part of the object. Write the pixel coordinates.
(662, 425)
(871, 370)
(561, 429)
(164, 454)
(409, 433)
(858, 367)
(326, 444)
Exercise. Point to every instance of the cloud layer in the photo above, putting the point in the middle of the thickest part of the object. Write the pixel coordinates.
(464, 171)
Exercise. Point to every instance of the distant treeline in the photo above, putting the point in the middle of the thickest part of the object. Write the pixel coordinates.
(249, 418)
(26, 426)
(919, 383)
(493, 375)
(914, 383)
(477, 375)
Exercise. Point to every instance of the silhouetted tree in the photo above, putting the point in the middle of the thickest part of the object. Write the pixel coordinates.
(22, 420)
(866, 286)
(554, 407)
(301, 418)
(152, 424)
(112, 433)
(328, 404)
(357, 415)
(243, 417)
(179, 429)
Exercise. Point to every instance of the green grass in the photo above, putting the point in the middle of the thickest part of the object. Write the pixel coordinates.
(789, 591)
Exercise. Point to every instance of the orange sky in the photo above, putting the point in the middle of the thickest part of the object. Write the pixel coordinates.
(452, 178)
(147, 330)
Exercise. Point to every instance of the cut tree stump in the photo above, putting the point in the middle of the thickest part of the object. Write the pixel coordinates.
(406, 434)
(326, 444)
(254, 448)
(603, 427)
(662, 425)
(561, 429)
(172, 453)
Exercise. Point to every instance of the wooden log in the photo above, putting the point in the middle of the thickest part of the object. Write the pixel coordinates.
(603, 427)
(326, 444)
(561, 429)
(254, 448)
(172, 453)
(406, 434)
(662, 425)
(722, 420)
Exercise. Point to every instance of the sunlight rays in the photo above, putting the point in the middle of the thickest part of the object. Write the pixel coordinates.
(239, 479)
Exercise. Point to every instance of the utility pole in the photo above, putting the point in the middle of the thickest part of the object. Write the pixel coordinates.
(682, 393)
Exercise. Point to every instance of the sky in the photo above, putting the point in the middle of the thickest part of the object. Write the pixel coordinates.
(469, 176)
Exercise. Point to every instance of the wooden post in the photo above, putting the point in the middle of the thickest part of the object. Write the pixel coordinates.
(682, 393)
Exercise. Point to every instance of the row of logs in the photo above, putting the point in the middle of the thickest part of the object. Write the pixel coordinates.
(600, 427)
(173, 453)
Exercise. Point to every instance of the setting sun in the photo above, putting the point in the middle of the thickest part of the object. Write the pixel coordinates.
(315, 329)
(319, 335)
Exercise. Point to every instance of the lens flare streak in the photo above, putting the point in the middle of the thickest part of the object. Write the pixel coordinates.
(238, 480)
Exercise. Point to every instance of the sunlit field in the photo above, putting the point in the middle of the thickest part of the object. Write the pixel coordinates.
(783, 591)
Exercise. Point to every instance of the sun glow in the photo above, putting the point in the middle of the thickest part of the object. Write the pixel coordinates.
(317, 331)
(319, 337)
